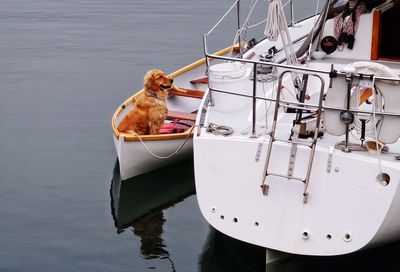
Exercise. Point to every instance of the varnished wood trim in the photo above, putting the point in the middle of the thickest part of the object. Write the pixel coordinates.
(159, 137)
(189, 93)
(181, 115)
(376, 27)
(120, 109)
(203, 80)
(365, 95)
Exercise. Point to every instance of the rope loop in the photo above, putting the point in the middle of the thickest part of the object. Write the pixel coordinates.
(219, 130)
(170, 155)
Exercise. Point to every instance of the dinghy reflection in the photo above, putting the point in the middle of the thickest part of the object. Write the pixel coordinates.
(139, 203)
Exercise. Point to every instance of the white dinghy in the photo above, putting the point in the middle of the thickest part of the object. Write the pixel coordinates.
(140, 154)
(297, 148)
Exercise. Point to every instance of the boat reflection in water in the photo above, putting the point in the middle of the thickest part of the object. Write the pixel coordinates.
(222, 253)
(383, 259)
(139, 202)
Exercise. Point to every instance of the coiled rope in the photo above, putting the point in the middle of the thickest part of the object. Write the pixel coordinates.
(272, 27)
(219, 129)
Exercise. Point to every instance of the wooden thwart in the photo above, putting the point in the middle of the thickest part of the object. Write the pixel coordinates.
(181, 115)
(189, 93)
(203, 80)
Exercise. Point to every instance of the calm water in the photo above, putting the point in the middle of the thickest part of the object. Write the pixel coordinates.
(64, 68)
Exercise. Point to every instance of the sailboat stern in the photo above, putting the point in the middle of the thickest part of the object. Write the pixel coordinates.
(348, 207)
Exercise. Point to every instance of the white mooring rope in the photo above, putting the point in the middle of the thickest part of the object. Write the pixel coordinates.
(170, 155)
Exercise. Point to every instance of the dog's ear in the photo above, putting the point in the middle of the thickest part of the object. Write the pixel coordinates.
(149, 78)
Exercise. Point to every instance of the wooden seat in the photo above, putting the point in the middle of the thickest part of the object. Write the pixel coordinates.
(189, 93)
(203, 80)
(181, 115)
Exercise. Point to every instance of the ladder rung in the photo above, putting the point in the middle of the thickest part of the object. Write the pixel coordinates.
(286, 176)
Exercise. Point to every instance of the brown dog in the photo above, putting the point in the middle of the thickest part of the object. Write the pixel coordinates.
(150, 110)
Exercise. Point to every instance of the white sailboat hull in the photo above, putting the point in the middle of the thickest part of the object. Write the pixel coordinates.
(293, 174)
(348, 209)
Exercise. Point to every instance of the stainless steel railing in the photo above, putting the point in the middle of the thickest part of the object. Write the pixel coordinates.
(301, 69)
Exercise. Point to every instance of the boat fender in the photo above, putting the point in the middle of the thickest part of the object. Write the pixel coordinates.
(389, 90)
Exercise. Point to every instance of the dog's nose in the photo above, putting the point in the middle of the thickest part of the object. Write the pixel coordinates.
(171, 80)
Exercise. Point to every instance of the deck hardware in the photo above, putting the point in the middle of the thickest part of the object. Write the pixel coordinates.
(305, 235)
(258, 152)
(337, 169)
(265, 189)
(199, 130)
(347, 117)
(347, 237)
(330, 157)
(384, 179)
(254, 101)
(362, 138)
(293, 150)
(332, 74)
(305, 197)
(204, 110)
(251, 43)
(366, 82)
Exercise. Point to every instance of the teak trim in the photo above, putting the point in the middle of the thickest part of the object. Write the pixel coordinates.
(376, 32)
(203, 80)
(189, 93)
(181, 115)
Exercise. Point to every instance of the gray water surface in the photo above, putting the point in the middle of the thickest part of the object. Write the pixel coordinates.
(64, 68)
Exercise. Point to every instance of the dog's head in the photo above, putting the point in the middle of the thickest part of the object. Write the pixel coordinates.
(155, 81)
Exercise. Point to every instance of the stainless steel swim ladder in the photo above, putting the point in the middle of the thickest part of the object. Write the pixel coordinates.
(293, 140)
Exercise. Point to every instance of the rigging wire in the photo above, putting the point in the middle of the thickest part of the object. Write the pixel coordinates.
(244, 26)
(312, 33)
